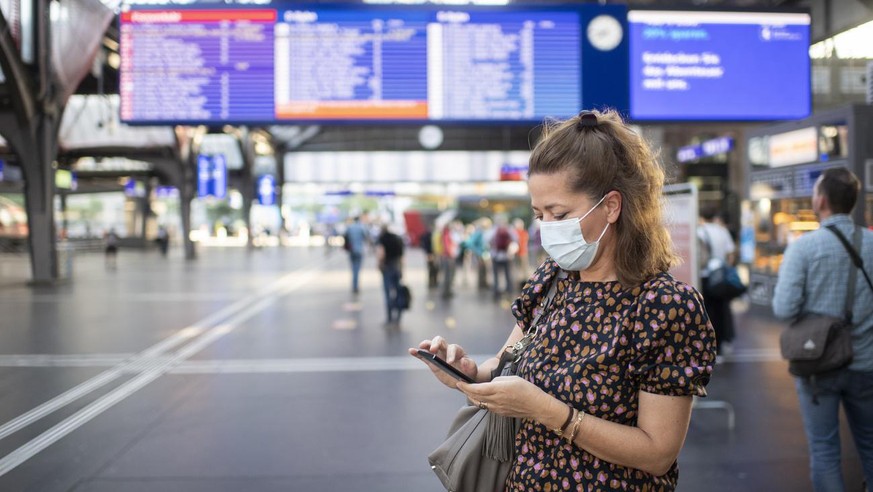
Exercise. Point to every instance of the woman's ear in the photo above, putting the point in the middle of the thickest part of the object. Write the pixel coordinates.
(613, 206)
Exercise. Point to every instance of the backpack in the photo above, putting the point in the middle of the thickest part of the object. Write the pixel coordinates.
(347, 242)
(404, 297)
(502, 239)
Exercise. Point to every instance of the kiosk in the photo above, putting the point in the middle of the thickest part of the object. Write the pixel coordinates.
(784, 160)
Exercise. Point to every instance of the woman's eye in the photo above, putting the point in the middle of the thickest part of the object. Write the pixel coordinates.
(560, 216)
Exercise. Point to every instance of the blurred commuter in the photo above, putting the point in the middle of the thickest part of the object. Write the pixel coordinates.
(502, 242)
(813, 279)
(521, 258)
(718, 249)
(389, 254)
(425, 240)
(110, 240)
(478, 247)
(449, 248)
(605, 380)
(163, 240)
(356, 238)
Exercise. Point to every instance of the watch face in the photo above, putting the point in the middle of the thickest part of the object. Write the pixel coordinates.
(605, 32)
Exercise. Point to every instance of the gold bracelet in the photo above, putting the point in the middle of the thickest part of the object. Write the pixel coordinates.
(578, 420)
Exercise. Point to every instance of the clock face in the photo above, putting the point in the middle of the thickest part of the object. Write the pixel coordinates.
(430, 137)
(605, 32)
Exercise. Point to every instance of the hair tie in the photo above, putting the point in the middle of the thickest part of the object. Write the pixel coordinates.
(587, 119)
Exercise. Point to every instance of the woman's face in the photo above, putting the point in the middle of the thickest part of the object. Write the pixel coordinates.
(552, 199)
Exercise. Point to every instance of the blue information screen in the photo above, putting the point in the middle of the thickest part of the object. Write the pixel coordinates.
(719, 65)
(287, 62)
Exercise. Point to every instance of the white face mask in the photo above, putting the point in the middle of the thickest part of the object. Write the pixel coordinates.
(564, 242)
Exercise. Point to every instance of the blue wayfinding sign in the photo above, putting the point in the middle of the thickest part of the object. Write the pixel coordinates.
(2, 163)
(211, 176)
(266, 190)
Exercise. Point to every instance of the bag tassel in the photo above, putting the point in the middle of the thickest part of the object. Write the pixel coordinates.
(500, 438)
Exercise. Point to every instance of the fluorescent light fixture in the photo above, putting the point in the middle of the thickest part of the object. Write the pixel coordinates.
(856, 43)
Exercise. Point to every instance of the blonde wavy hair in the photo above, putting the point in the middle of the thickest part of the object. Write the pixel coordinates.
(603, 155)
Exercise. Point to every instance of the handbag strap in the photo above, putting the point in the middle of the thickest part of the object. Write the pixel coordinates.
(510, 355)
(857, 261)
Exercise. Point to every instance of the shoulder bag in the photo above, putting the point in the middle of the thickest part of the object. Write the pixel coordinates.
(723, 281)
(477, 455)
(816, 344)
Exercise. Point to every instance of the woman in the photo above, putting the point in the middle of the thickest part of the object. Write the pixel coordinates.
(605, 388)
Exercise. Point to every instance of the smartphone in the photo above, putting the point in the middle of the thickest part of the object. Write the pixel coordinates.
(445, 366)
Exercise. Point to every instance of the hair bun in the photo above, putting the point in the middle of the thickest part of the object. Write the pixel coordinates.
(587, 119)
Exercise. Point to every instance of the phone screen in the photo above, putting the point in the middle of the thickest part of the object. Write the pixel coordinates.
(450, 370)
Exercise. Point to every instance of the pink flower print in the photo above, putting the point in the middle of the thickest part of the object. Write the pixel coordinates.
(651, 296)
(668, 352)
(689, 371)
(554, 474)
(576, 326)
(541, 455)
(577, 477)
(566, 484)
(538, 467)
(574, 463)
(690, 304)
(601, 477)
(524, 449)
(590, 396)
(597, 378)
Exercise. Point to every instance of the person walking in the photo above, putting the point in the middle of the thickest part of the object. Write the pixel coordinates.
(110, 240)
(356, 238)
(718, 248)
(426, 243)
(501, 242)
(522, 254)
(389, 254)
(606, 377)
(813, 279)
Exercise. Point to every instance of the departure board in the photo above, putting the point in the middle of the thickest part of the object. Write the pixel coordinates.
(275, 65)
(707, 65)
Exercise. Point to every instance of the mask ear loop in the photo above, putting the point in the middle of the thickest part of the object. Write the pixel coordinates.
(593, 208)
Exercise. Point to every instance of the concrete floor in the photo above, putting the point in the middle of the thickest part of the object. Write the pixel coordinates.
(260, 372)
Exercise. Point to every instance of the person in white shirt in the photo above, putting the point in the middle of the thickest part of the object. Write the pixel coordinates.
(717, 247)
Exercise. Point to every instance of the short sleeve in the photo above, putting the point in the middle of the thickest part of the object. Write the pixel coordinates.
(534, 293)
(674, 339)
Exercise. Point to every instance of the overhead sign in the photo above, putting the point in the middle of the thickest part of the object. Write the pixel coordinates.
(2, 164)
(211, 176)
(794, 147)
(709, 65)
(513, 172)
(288, 61)
(709, 148)
(266, 190)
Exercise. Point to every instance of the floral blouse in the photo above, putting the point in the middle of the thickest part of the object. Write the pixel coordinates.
(596, 348)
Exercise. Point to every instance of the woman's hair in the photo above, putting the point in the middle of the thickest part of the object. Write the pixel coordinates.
(603, 154)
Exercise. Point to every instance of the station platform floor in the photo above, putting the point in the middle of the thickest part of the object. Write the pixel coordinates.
(259, 371)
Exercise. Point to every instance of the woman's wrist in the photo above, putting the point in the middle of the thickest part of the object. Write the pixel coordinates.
(553, 412)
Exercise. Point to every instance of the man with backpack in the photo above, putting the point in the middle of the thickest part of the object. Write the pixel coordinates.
(389, 253)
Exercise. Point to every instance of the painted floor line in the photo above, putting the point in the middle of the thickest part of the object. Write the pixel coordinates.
(143, 360)
(160, 367)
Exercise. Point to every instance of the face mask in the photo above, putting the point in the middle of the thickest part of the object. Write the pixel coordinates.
(563, 241)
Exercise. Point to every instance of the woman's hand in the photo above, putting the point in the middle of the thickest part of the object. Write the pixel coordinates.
(451, 353)
(511, 396)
